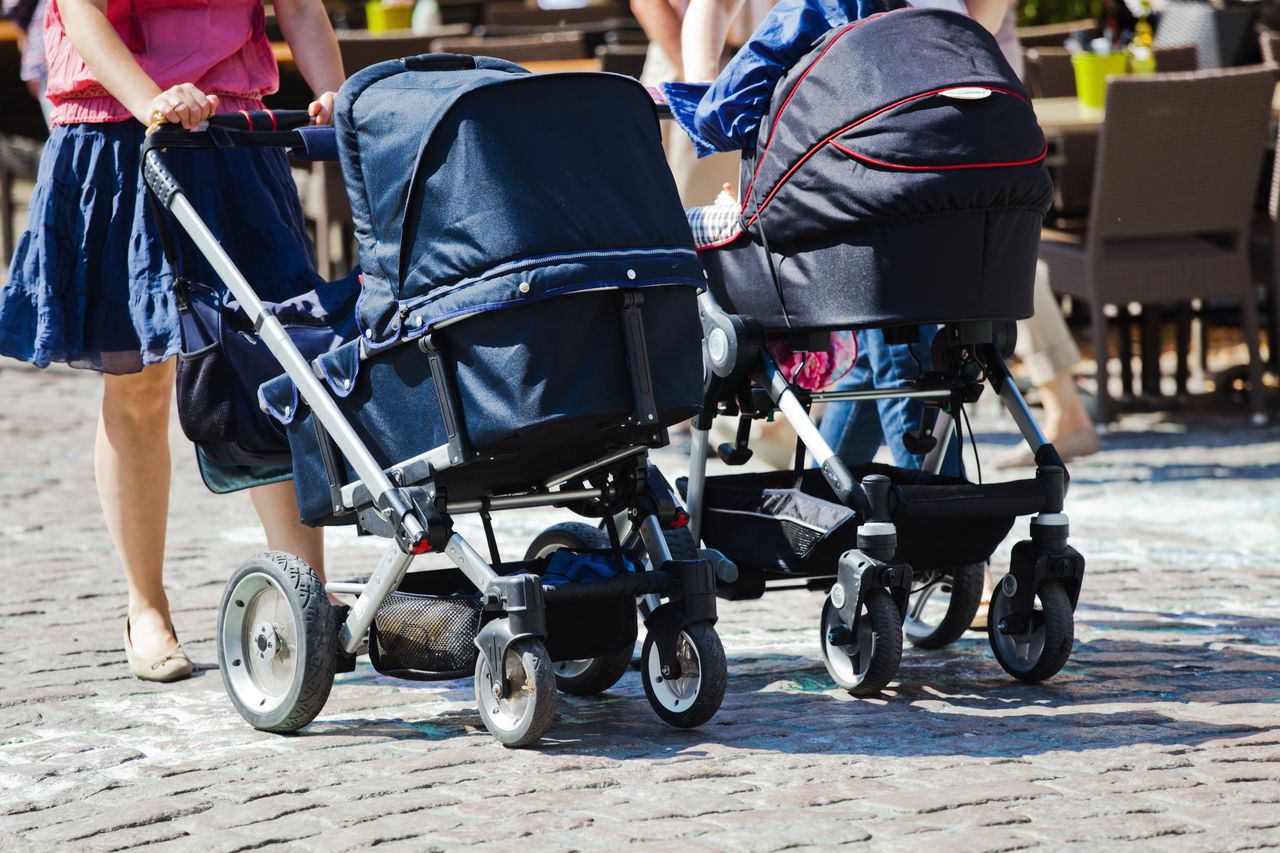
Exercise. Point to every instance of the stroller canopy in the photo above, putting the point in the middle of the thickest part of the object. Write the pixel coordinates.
(899, 115)
(476, 186)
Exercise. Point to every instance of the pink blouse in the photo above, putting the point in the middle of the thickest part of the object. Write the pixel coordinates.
(220, 46)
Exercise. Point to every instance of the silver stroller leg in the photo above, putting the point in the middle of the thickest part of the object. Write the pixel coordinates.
(697, 480)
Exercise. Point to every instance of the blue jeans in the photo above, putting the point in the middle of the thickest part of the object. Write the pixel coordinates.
(855, 430)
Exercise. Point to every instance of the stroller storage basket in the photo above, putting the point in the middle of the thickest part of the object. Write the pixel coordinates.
(424, 636)
(426, 629)
(769, 523)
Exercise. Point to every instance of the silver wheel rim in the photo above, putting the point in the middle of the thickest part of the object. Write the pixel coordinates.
(260, 643)
(509, 712)
(573, 668)
(1021, 651)
(677, 694)
(848, 665)
(928, 607)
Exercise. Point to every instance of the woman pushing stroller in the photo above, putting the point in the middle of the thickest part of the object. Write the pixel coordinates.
(89, 284)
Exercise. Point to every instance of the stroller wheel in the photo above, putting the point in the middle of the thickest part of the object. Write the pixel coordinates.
(588, 676)
(593, 675)
(865, 665)
(277, 642)
(522, 716)
(1039, 648)
(694, 697)
(940, 611)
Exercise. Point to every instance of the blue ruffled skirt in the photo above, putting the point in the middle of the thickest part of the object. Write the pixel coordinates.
(89, 284)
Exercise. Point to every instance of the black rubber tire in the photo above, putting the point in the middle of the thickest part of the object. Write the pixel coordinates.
(713, 677)
(316, 620)
(605, 671)
(680, 543)
(1059, 624)
(880, 612)
(601, 674)
(966, 598)
(532, 726)
(567, 534)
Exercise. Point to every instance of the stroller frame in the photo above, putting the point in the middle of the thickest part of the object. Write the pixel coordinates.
(400, 503)
(743, 379)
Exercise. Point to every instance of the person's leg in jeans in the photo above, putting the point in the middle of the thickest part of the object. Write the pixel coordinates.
(855, 431)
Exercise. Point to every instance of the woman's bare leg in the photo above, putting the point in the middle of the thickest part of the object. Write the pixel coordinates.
(278, 509)
(132, 468)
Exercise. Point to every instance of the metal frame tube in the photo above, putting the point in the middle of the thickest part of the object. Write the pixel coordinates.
(386, 577)
(697, 480)
(436, 457)
(944, 429)
(880, 394)
(283, 348)
(794, 411)
(654, 541)
(466, 558)
(525, 501)
(1021, 413)
(575, 473)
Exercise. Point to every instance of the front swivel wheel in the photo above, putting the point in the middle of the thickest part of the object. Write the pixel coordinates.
(1035, 646)
(523, 715)
(866, 661)
(694, 695)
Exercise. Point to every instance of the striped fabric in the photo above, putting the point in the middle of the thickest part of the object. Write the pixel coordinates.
(713, 223)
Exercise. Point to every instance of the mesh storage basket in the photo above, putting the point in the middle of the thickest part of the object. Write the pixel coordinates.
(427, 628)
(425, 636)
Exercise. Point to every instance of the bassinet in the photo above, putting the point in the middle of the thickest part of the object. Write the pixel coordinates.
(898, 179)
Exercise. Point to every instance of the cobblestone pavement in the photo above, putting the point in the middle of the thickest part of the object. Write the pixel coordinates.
(1163, 731)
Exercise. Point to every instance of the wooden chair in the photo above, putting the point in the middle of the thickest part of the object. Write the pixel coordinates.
(1178, 163)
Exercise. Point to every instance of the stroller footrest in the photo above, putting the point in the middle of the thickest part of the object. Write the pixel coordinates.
(640, 583)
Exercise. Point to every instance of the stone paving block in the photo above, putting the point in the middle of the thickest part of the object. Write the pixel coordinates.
(1161, 733)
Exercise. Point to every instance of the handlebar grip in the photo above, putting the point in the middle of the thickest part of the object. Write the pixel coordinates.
(159, 178)
(262, 120)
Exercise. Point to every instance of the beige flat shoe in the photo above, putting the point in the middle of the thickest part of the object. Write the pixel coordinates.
(174, 666)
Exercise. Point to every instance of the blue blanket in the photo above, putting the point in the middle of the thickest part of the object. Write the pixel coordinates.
(725, 115)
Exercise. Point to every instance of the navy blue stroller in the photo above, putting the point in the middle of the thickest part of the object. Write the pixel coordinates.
(525, 330)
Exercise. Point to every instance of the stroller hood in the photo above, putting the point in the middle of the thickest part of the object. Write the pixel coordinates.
(897, 116)
(476, 186)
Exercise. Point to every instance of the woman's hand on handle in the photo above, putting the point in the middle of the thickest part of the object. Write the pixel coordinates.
(183, 104)
(321, 108)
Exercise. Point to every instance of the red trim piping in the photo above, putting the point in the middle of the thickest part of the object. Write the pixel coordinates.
(272, 113)
(873, 161)
(765, 153)
(248, 120)
(719, 243)
(781, 183)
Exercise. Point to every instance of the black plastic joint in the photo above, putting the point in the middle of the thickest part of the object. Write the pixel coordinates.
(1052, 475)
(877, 487)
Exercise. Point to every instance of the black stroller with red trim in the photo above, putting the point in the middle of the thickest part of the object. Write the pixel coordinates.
(887, 200)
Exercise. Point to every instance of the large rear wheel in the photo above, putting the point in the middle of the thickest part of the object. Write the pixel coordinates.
(277, 642)
(588, 676)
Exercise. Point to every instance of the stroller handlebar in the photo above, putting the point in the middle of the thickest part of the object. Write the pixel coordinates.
(261, 120)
